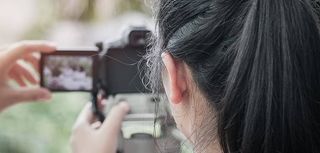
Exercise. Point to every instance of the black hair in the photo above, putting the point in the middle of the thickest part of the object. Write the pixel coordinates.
(256, 61)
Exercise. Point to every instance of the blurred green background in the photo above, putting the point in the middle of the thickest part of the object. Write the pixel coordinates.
(40, 127)
(45, 127)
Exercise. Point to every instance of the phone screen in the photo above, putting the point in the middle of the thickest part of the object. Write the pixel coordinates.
(67, 70)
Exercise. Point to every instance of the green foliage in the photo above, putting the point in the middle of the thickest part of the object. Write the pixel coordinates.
(39, 128)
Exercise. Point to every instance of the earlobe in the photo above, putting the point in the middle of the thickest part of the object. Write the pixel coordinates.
(176, 82)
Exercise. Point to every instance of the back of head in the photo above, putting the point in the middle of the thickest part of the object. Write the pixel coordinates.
(257, 62)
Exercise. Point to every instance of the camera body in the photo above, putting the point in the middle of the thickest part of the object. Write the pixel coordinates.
(120, 60)
(121, 81)
(112, 68)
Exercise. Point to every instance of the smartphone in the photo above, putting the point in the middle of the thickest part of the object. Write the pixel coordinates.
(69, 69)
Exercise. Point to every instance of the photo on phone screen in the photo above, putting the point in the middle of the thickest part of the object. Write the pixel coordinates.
(68, 70)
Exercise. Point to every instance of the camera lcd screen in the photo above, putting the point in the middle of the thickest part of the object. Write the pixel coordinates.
(68, 70)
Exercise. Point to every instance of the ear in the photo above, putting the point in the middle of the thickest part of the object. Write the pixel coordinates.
(176, 82)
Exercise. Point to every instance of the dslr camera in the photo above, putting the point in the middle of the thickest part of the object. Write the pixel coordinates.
(112, 69)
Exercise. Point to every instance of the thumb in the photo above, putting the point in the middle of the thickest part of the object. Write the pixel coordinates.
(27, 95)
(112, 125)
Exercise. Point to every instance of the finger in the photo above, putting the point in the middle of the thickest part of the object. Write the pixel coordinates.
(15, 77)
(34, 61)
(27, 95)
(19, 50)
(101, 97)
(18, 79)
(112, 124)
(96, 125)
(86, 117)
(101, 104)
(22, 72)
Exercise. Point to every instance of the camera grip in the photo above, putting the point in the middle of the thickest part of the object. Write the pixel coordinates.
(95, 108)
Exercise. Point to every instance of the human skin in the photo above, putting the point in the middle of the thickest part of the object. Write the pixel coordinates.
(11, 69)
